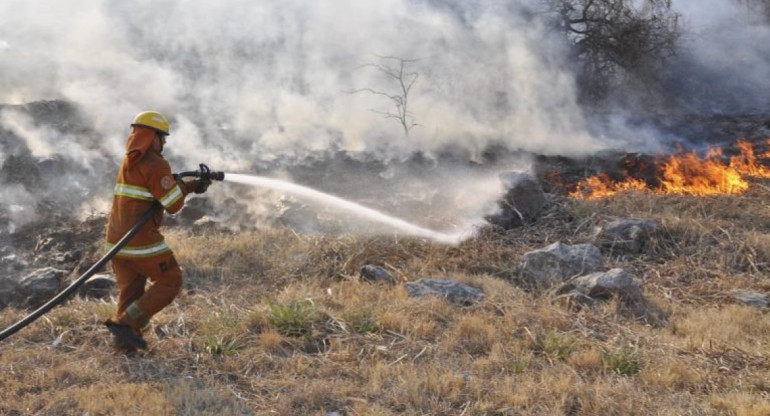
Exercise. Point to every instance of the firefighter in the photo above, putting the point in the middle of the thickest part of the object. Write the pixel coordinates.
(144, 177)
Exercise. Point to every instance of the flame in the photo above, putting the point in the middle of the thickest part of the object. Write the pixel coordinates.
(746, 162)
(687, 174)
(690, 175)
(601, 186)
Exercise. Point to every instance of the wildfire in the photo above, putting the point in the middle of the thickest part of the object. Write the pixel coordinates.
(746, 163)
(687, 174)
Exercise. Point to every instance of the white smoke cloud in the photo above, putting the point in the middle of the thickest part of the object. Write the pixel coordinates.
(277, 75)
(249, 81)
(728, 47)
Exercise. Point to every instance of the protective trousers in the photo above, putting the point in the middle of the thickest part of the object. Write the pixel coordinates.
(135, 304)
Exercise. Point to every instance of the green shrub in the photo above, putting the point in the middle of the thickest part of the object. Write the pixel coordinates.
(293, 320)
(219, 345)
(364, 323)
(624, 362)
(558, 346)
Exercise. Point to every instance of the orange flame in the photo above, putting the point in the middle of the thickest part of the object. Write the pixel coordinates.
(690, 175)
(687, 174)
(601, 186)
(746, 162)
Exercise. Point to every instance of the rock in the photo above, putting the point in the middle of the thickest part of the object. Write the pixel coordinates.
(558, 262)
(755, 299)
(41, 284)
(629, 235)
(522, 203)
(99, 285)
(376, 274)
(456, 292)
(603, 285)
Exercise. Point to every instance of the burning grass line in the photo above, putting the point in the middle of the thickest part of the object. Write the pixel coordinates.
(685, 174)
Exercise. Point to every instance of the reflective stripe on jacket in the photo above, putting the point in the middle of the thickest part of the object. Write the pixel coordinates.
(144, 176)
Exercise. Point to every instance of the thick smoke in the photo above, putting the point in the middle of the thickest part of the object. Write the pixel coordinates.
(249, 84)
(246, 83)
(270, 78)
(724, 58)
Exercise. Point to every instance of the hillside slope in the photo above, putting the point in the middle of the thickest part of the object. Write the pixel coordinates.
(274, 322)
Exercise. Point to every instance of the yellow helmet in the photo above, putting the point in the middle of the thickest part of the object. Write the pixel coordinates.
(153, 120)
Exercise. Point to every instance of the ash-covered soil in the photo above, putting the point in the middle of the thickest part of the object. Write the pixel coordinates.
(43, 218)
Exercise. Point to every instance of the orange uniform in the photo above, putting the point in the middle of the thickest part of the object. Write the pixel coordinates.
(144, 177)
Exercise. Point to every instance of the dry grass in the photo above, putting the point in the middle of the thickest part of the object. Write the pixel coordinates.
(272, 322)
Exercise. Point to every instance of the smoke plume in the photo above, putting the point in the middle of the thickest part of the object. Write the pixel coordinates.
(251, 85)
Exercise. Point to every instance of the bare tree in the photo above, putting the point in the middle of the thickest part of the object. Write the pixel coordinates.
(395, 69)
(616, 41)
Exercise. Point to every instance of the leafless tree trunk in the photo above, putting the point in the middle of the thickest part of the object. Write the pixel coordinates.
(395, 69)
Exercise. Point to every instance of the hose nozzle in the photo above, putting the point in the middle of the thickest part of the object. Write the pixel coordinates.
(204, 173)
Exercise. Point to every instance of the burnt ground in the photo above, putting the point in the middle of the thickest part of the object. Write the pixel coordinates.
(58, 238)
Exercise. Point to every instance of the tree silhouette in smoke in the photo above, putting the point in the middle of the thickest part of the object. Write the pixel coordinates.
(616, 42)
(758, 9)
(395, 69)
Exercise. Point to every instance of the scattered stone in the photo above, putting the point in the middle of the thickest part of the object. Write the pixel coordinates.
(522, 203)
(41, 284)
(558, 262)
(99, 286)
(456, 292)
(755, 299)
(376, 274)
(604, 285)
(629, 235)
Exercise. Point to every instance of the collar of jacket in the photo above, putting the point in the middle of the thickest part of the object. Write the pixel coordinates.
(138, 143)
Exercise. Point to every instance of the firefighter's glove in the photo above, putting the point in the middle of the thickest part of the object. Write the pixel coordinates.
(202, 185)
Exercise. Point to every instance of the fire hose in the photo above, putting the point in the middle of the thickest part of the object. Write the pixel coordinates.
(204, 173)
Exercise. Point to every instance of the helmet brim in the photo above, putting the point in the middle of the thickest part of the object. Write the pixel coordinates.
(150, 127)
